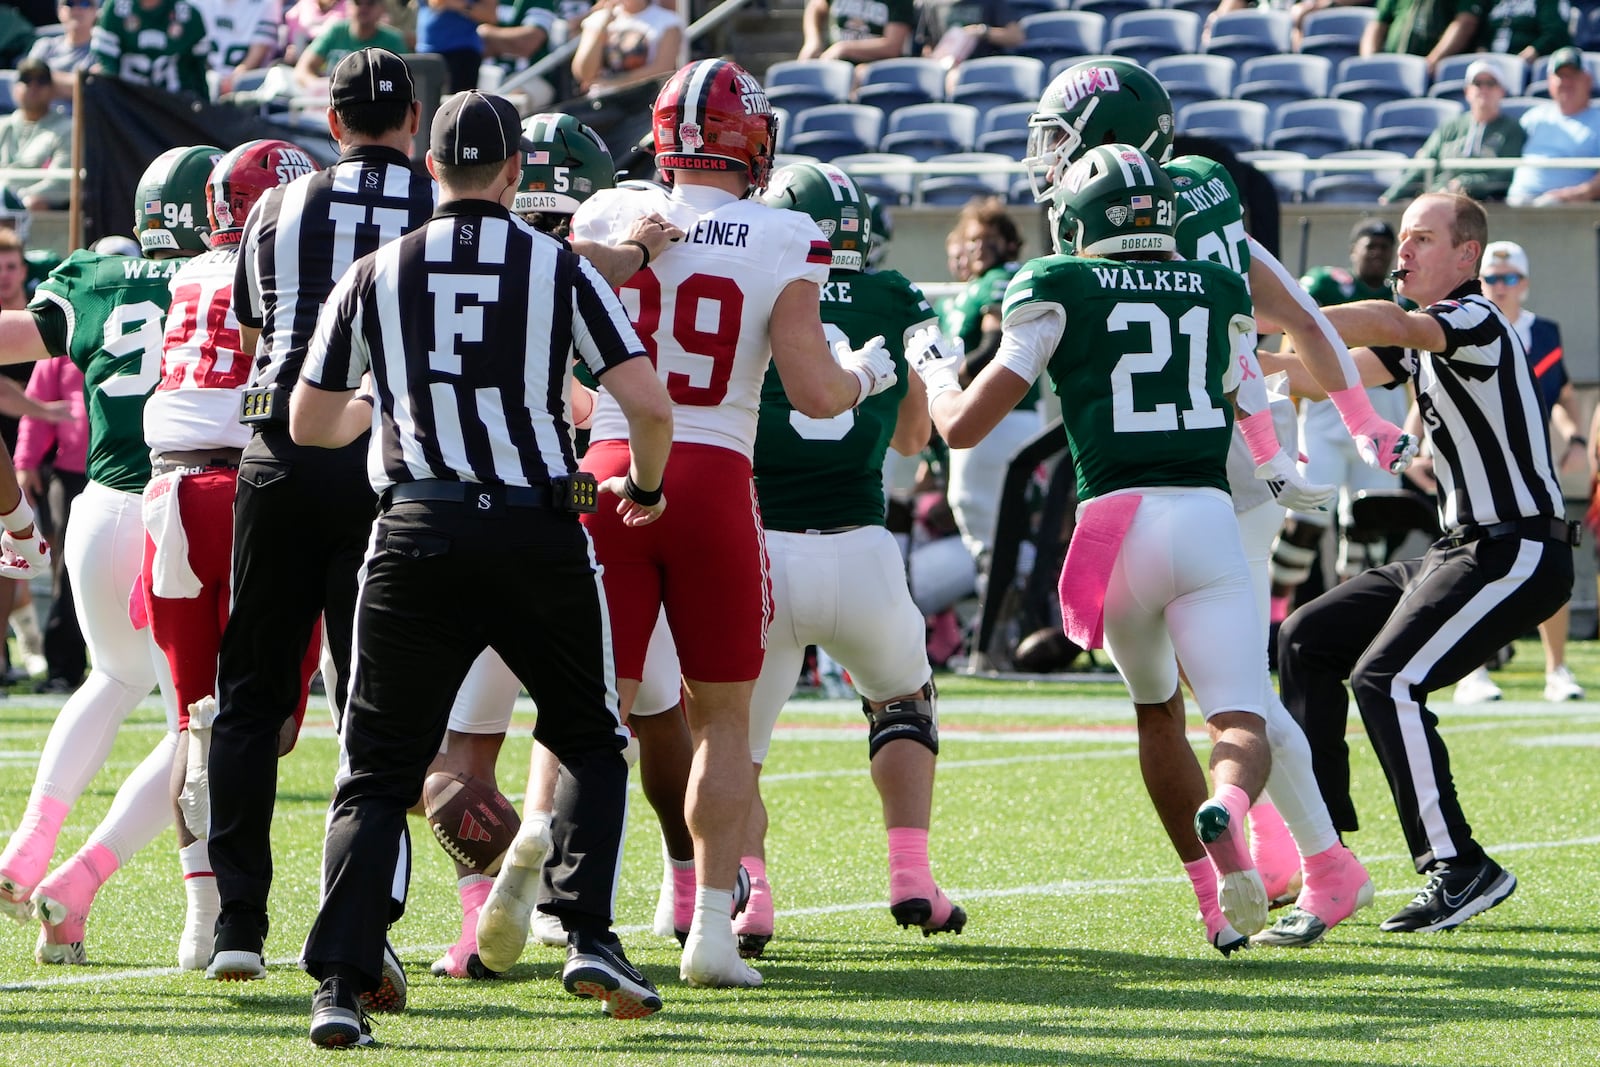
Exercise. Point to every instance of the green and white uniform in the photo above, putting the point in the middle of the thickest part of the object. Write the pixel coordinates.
(841, 586)
(106, 313)
(165, 47)
(856, 20)
(339, 40)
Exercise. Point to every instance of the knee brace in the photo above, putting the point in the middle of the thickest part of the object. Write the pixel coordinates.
(1293, 552)
(916, 718)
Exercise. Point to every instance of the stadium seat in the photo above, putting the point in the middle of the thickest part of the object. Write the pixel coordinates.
(784, 124)
(893, 186)
(953, 190)
(836, 129)
(1247, 33)
(1538, 83)
(1518, 106)
(1240, 124)
(928, 130)
(1450, 76)
(798, 84)
(1318, 127)
(1403, 125)
(891, 84)
(1372, 80)
(1587, 33)
(1061, 35)
(1281, 79)
(1191, 78)
(1203, 8)
(1364, 186)
(1004, 130)
(1144, 36)
(1021, 9)
(1110, 9)
(995, 81)
(1290, 183)
(1334, 32)
(8, 103)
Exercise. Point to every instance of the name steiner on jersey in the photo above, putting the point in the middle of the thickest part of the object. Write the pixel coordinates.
(1153, 282)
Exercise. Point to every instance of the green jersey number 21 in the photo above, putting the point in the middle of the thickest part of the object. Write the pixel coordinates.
(1192, 327)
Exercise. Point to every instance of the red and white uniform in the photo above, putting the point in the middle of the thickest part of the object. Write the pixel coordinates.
(189, 515)
(702, 309)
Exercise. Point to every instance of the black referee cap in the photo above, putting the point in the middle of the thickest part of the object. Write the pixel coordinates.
(474, 127)
(371, 76)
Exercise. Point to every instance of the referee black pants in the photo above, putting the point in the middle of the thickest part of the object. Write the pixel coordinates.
(442, 583)
(1399, 633)
(302, 518)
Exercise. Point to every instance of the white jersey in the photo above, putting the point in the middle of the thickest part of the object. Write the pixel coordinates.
(702, 307)
(234, 26)
(203, 372)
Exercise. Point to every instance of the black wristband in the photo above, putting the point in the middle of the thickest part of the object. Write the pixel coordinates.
(645, 499)
(643, 251)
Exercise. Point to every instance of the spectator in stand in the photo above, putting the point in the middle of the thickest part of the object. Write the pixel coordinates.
(1482, 132)
(522, 33)
(626, 41)
(244, 36)
(1526, 29)
(858, 31)
(53, 484)
(35, 136)
(161, 43)
(305, 21)
(363, 28)
(449, 29)
(1432, 29)
(953, 31)
(1565, 128)
(1504, 275)
(68, 52)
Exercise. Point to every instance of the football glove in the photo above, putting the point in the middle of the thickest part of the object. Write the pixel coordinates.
(1290, 487)
(23, 557)
(872, 365)
(937, 360)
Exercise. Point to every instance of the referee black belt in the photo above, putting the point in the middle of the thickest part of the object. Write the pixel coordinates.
(1540, 529)
(195, 460)
(476, 496)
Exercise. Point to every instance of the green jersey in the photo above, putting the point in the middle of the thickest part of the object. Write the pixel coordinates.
(856, 20)
(1335, 285)
(165, 47)
(525, 13)
(818, 474)
(962, 314)
(1143, 365)
(107, 313)
(337, 41)
(1210, 214)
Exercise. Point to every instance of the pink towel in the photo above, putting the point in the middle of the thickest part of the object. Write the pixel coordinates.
(1090, 557)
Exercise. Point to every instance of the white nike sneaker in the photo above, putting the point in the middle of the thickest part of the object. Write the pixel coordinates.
(1560, 686)
(1477, 688)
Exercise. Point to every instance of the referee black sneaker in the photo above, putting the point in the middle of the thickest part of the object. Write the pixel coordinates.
(1452, 896)
(596, 967)
(337, 1018)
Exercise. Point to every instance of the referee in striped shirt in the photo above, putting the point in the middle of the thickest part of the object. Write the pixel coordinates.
(302, 516)
(1408, 629)
(467, 328)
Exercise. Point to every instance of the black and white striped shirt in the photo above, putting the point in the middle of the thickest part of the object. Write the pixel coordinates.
(302, 237)
(1480, 402)
(469, 326)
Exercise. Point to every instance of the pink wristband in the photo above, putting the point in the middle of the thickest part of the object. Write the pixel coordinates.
(1354, 407)
(1261, 435)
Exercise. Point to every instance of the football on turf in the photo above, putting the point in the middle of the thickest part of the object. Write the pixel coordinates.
(473, 821)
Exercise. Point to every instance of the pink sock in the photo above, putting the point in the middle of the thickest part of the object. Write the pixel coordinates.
(908, 849)
(1279, 609)
(1203, 876)
(1336, 883)
(73, 885)
(1272, 850)
(683, 889)
(27, 854)
(1231, 852)
(474, 890)
(757, 916)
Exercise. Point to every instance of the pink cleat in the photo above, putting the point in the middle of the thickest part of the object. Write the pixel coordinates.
(63, 898)
(1274, 855)
(1337, 886)
(27, 857)
(753, 925)
(916, 900)
(56, 946)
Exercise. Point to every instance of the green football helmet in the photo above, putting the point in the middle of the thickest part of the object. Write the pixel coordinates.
(833, 200)
(563, 163)
(1099, 101)
(882, 233)
(1115, 199)
(170, 201)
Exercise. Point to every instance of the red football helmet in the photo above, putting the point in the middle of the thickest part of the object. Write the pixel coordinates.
(713, 115)
(240, 177)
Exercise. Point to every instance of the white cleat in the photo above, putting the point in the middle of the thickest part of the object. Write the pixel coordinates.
(1244, 901)
(508, 912)
(1560, 686)
(547, 930)
(1477, 688)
